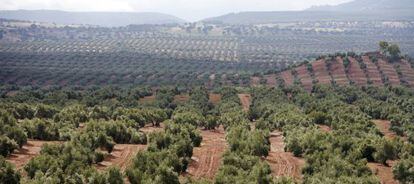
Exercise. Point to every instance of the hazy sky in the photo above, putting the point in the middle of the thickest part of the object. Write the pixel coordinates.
(187, 9)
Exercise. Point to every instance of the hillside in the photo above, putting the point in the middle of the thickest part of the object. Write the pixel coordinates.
(358, 10)
(360, 70)
(368, 5)
(108, 19)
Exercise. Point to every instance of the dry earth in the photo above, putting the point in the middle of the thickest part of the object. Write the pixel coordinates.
(245, 101)
(207, 158)
(283, 163)
(22, 156)
(121, 156)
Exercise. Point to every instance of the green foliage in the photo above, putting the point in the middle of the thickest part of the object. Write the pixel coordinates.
(404, 170)
(7, 173)
(12, 135)
(41, 129)
(121, 131)
(7, 146)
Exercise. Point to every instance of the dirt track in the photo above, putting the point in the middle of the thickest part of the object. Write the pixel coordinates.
(207, 158)
(384, 127)
(121, 156)
(22, 156)
(214, 98)
(283, 163)
(384, 173)
(245, 101)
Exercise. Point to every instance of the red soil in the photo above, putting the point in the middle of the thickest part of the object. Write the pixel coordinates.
(207, 158)
(407, 72)
(254, 81)
(271, 80)
(147, 99)
(372, 71)
(22, 156)
(321, 72)
(287, 77)
(355, 73)
(214, 98)
(149, 128)
(181, 98)
(325, 128)
(283, 163)
(304, 77)
(121, 156)
(384, 127)
(245, 101)
(338, 72)
(389, 71)
(384, 173)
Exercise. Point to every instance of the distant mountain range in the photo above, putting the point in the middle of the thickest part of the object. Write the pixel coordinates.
(358, 10)
(107, 19)
(368, 5)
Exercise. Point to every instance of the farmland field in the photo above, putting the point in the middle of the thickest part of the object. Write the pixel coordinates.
(243, 98)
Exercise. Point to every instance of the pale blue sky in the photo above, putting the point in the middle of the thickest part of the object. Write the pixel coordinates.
(191, 10)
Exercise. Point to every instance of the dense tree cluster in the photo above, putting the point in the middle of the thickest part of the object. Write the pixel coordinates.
(87, 128)
(241, 163)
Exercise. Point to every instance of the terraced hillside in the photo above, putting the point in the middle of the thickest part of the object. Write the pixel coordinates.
(358, 70)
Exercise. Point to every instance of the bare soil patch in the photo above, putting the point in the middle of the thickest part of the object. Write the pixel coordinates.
(147, 99)
(271, 80)
(321, 72)
(407, 72)
(22, 156)
(325, 128)
(372, 71)
(304, 77)
(149, 128)
(245, 101)
(214, 98)
(287, 77)
(181, 98)
(389, 71)
(207, 158)
(384, 173)
(384, 127)
(121, 156)
(283, 163)
(338, 72)
(355, 73)
(254, 81)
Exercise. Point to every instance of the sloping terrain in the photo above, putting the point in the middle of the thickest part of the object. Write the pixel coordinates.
(338, 72)
(372, 72)
(355, 73)
(207, 158)
(304, 77)
(321, 72)
(407, 72)
(108, 19)
(361, 72)
(367, 5)
(283, 163)
(287, 77)
(389, 71)
(271, 80)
